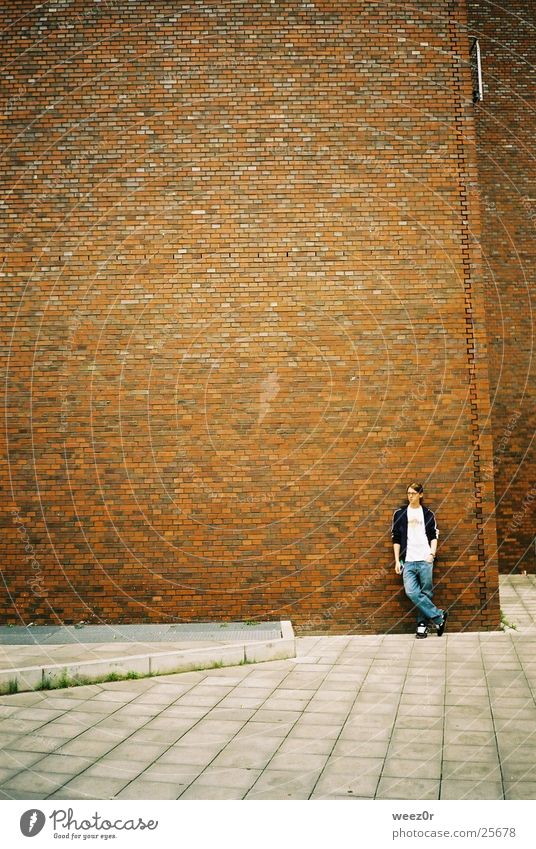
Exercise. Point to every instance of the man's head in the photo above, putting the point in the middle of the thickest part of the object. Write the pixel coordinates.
(415, 494)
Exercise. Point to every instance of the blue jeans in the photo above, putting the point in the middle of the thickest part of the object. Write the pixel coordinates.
(417, 576)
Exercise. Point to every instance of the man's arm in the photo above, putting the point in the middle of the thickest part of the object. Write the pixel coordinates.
(433, 539)
(395, 536)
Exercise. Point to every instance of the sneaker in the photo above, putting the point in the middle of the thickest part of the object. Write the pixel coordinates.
(441, 627)
(422, 631)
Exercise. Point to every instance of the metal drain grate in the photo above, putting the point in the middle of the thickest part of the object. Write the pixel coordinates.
(195, 631)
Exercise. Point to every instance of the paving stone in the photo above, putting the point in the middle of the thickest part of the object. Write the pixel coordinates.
(200, 791)
(107, 767)
(202, 754)
(474, 790)
(412, 767)
(235, 777)
(142, 789)
(361, 748)
(515, 770)
(319, 718)
(285, 717)
(291, 704)
(520, 790)
(407, 788)
(154, 736)
(31, 782)
(341, 784)
(293, 745)
(19, 794)
(22, 699)
(314, 731)
(243, 754)
(180, 774)
(472, 770)
(435, 710)
(468, 738)
(38, 713)
(365, 733)
(62, 764)
(473, 754)
(235, 714)
(261, 730)
(94, 707)
(297, 762)
(6, 773)
(249, 702)
(283, 785)
(425, 723)
(20, 759)
(93, 787)
(132, 749)
(37, 743)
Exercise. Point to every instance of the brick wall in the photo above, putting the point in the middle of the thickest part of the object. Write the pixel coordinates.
(505, 133)
(242, 310)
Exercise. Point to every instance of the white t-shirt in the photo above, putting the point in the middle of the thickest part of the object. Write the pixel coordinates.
(418, 545)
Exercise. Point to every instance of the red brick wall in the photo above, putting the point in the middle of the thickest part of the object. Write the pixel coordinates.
(242, 310)
(506, 166)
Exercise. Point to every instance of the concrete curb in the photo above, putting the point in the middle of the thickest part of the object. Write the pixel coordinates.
(49, 676)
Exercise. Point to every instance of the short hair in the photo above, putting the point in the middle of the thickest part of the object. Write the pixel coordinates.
(418, 487)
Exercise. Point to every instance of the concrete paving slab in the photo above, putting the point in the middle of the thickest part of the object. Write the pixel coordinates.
(142, 789)
(360, 748)
(340, 784)
(472, 770)
(239, 754)
(485, 753)
(236, 777)
(293, 745)
(407, 788)
(520, 790)
(458, 789)
(282, 785)
(200, 791)
(412, 767)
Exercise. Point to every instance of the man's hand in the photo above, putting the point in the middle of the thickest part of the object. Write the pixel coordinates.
(430, 558)
(398, 568)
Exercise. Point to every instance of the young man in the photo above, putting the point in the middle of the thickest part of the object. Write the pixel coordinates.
(414, 536)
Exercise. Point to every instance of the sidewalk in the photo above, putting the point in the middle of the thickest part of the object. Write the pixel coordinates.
(385, 717)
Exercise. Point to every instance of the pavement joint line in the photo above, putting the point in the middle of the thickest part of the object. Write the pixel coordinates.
(84, 730)
(402, 687)
(201, 718)
(445, 708)
(290, 672)
(283, 740)
(337, 739)
(522, 670)
(495, 738)
(250, 672)
(498, 653)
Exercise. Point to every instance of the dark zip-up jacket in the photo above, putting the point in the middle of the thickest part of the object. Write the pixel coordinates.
(399, 531)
